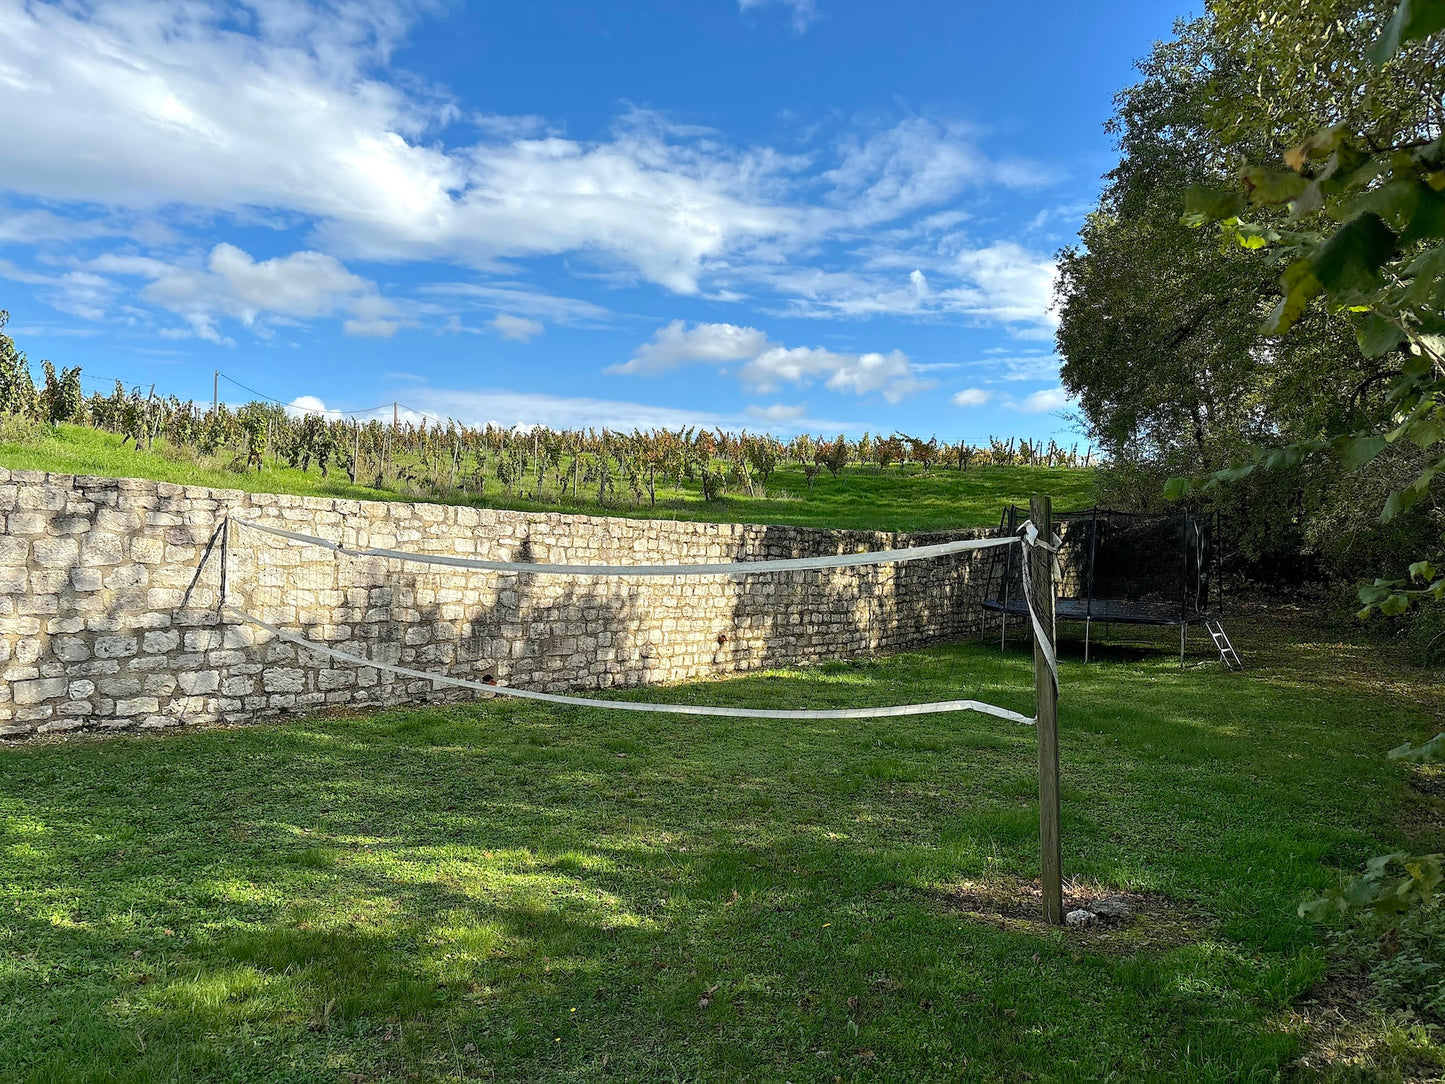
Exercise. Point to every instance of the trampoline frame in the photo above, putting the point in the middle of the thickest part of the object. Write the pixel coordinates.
(1067, 608)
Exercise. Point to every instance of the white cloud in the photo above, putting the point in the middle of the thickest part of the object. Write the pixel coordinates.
(768, 365)
(526, 409)
(677, 344)
(233, 284)
(517, 328)
(804, 11)
(777, 412)
(889, 374)
(516, 298)
(1043, 401)
(1009, 284)
(915, 164)
(1023, 367)
(283, 113)
(1000, 283)
(971, 397)
(303, 405)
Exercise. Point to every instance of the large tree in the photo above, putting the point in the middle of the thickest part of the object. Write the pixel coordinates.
(1160, 322)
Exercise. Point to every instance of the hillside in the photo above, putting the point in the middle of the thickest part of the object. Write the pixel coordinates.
(863, 497)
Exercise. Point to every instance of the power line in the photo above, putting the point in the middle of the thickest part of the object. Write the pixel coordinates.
(282, 402)
(423, 413)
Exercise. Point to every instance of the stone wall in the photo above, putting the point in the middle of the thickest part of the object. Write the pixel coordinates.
(110, 592)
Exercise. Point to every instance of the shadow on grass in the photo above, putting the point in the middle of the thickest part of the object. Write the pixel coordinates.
(518, 893)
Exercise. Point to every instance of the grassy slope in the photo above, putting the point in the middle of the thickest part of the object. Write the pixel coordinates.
(890, 500)
(511, 893)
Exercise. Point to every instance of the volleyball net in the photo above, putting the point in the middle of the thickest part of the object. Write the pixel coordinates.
(1031, 546)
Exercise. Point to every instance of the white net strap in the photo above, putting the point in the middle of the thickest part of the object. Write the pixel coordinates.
(626, 705)
(730, 568)
(1029, 536)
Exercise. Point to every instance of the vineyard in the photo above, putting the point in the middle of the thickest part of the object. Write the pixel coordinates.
(639, 472)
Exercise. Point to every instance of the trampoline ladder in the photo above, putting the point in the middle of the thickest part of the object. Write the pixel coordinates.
(1227, 653)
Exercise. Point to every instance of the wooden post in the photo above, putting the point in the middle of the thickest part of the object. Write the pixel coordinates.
(216, 391)
(1041, 589)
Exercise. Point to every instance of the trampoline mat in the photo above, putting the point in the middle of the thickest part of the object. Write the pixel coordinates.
(1111, 610)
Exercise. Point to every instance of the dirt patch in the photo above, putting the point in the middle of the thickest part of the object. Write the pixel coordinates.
(1157, 922)
(1345, 1038)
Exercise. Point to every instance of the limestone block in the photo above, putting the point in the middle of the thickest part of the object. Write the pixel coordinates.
(55, 552)
(283, 680)
(70, 648)
(37, 604)
(165, 598)
(114, 647)
(48, 580)
(160, 685)
(38, 689)
(86, 579)
(141, 705)
(239, 636)
(61, 726)
(124, 576)
(28, 523)
(199, 683)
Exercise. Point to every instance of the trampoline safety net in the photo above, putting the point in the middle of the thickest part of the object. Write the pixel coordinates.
(1130, 568)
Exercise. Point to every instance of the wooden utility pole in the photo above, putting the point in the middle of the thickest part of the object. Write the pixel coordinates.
(216, 392)
(1046, 698)
(395, 417)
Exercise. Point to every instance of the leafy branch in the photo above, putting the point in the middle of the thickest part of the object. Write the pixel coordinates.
(1358, 227)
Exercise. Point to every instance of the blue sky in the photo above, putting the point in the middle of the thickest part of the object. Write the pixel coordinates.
(775, 214)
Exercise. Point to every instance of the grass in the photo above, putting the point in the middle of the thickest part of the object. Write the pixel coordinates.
(498, 891)
(895, 499)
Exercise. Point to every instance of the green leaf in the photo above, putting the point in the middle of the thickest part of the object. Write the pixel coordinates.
(1350, 261)
(1426, 18)
(1396, 201)
(1412, 20)
(1377, 336)
(1299, 286)
(1428, 219)
(1209, 204)
(1432, 750)
(1272, 187)
(1388, 43)
(1361, 450)
(1427, 431)
(1322, 142)
(1176, 488)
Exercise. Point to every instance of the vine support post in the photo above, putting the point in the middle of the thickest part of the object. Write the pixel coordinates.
(1046, 699)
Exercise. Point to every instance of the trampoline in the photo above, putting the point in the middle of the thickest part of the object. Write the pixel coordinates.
(1123, 568)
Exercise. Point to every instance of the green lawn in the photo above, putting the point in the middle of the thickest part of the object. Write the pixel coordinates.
(499, 891)
(895, 499)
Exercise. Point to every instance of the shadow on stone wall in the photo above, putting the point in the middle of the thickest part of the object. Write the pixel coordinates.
(833, 613)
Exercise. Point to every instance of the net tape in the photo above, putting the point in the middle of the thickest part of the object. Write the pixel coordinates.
(728, 568)
(627, 705)
(1027, 537)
